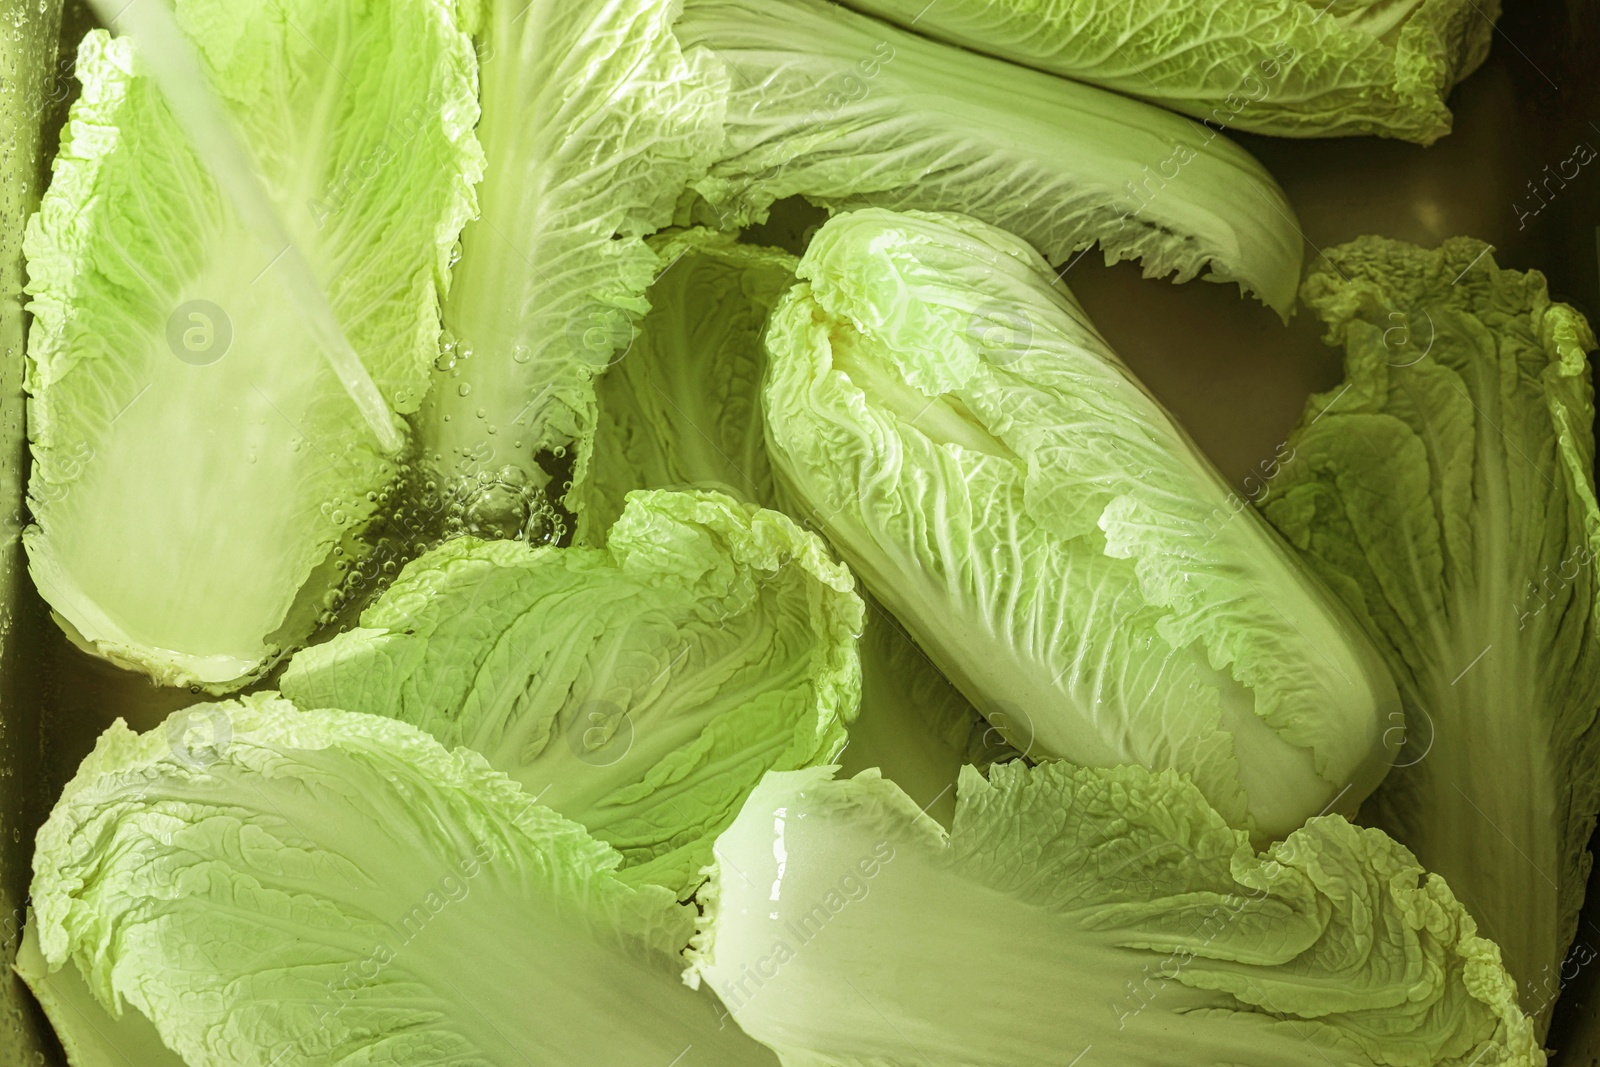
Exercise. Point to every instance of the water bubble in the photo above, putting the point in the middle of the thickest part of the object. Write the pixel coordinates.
(464, 389)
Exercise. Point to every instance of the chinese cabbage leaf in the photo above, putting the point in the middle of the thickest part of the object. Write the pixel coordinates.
(683, 406)
(914, 726)
(89, 1035)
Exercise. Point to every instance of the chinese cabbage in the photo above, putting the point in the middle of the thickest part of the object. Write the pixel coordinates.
(852, 112)
(268, 885)
(1445, 490)
(640, 689)
(1034, 518)
(1290, 68)
(1076, 913)
(196, 459)
(593, 120)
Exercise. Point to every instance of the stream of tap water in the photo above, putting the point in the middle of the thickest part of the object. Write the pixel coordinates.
(171, 61)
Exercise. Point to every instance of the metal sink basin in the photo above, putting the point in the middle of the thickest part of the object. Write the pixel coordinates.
(1229, 369)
